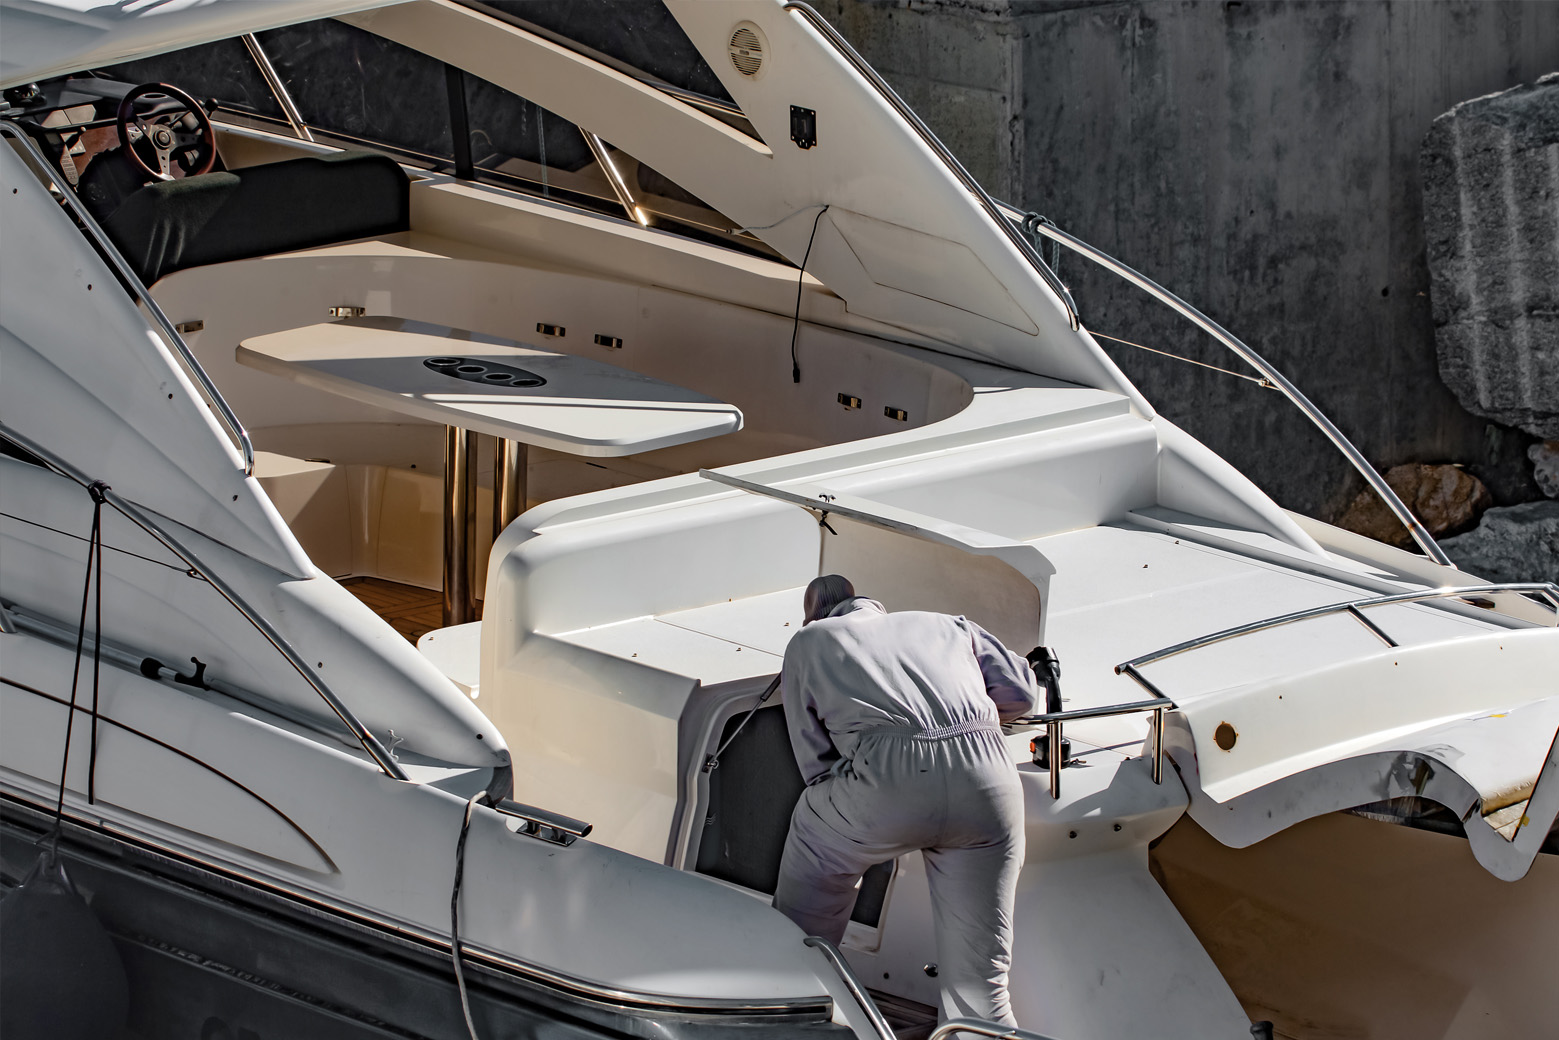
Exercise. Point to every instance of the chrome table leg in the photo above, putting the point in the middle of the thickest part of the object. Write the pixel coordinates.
(459, 517)
(509, 488)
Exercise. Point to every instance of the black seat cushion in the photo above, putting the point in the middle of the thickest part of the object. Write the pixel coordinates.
(258, 210)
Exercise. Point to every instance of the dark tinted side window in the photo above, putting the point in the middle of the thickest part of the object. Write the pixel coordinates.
(639, 33)
(357, 85)
(506, 127)
(519, 143)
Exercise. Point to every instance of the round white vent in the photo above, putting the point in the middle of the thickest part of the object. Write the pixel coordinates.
(746, 49)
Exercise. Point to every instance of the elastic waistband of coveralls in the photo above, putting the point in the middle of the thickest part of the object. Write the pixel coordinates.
(913, 732)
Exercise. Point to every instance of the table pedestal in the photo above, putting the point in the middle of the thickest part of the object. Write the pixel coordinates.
(459, 525)
(510, 462)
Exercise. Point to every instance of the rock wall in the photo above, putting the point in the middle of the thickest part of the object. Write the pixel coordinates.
(1515, 543)
(1491, 216)
(1261, 159)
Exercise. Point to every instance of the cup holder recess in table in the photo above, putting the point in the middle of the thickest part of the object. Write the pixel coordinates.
(488, 373)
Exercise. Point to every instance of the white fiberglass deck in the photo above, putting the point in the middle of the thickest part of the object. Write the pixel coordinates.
(1124, 590)
(1120, 590)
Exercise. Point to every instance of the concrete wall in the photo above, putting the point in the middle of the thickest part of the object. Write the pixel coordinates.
(959, 64)
(1261, 160)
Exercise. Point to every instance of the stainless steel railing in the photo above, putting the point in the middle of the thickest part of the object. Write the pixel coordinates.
(1353, 608)
(1160, 703)
(980, 1027)
(106, 248)
(1340, 441)
(136, 515)
(940, 150)
(1053, 723)
(853, 983)
(289, 108)
(1009, 219)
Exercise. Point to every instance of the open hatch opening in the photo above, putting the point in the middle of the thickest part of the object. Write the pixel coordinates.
(747, 813)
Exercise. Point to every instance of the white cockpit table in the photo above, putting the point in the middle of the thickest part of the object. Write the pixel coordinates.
(474, 383)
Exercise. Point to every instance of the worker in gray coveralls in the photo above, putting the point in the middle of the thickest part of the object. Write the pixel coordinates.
(894, 721)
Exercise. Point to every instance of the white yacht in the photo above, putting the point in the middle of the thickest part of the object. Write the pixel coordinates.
(419, 422)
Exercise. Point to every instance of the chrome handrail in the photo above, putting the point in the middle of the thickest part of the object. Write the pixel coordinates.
(980, 1027)
(198, 569)
(1054, 720)
(300, 128)
(1547, 590)
(940, 150)
(111, 253)
(853, 983)
(1340, 441)
(614, 177)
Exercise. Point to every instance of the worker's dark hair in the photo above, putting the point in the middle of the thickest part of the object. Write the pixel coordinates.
(826, 593)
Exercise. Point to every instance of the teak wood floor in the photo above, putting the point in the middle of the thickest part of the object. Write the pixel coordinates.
(411, 611)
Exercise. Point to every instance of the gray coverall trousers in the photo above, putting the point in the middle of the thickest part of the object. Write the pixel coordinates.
(894, 721)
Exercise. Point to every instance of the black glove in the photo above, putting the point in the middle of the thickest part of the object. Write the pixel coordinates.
(1047, 669)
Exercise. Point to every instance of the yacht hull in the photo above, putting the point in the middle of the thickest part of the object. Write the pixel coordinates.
(211, 955)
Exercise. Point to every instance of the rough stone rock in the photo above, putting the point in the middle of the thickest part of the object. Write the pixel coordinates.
(1545, 467)
(1513, 543)
(1491, 224)
(1445, 499)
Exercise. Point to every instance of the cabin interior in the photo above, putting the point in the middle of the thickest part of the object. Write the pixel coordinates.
(361, 486)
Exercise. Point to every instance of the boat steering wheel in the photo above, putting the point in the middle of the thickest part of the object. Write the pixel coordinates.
(177, 130)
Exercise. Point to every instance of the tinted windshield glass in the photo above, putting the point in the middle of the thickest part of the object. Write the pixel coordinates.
(350, 82)
(639, 33)
(223, 70)
(363, 90)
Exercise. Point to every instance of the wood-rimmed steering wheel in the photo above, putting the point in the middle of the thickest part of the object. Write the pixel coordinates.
(178, 130)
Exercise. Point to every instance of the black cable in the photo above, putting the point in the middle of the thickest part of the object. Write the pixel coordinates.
(94, 555)
(801, 277)
(96, 490)
(454, 913)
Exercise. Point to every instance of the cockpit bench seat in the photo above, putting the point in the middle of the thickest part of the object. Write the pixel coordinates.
(259, 210)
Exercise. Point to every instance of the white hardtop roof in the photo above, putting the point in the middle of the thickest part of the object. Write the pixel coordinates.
(875, 214)
(44, 38)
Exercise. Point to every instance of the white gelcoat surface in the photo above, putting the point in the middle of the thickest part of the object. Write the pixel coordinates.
(607, 613)
(585, 407)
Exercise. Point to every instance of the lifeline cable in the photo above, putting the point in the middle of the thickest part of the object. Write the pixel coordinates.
(1258, 380)
(454, 913)
(94, 555)
(801, 277)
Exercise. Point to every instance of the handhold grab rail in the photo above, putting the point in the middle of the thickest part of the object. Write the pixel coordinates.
(981, 1027)
(1353, 608)
(1547, 590)
(1053, 721)
(853, 983)
(1339, 440)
